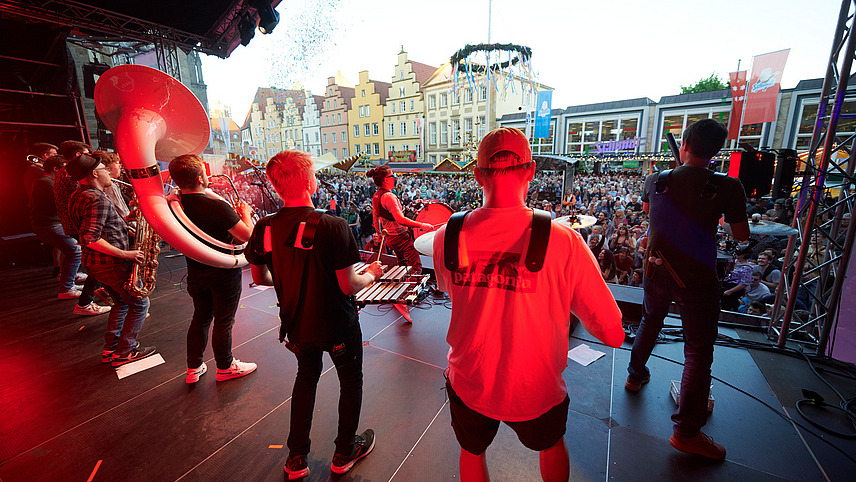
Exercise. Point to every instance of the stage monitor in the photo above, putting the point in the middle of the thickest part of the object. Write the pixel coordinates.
(755, 170)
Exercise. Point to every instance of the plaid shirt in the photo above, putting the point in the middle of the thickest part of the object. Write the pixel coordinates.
(94, 217)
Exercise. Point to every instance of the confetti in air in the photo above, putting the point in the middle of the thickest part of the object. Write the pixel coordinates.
(308, 32)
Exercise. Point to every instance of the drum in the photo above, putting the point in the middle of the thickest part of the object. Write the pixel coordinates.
(433, 212)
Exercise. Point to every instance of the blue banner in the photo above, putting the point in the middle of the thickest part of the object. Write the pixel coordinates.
(543, 106)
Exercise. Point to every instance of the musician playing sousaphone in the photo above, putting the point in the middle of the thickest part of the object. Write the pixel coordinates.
(103, 234)
(389, 218)
(215, 291)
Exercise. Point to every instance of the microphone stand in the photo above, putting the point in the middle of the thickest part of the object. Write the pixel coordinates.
(266, 194)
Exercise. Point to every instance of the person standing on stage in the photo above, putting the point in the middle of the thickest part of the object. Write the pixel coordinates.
(107, 257)
(215, 291)
(509, 327)
(685, 206)
(387, 216)
(35, 166)
(314, 282)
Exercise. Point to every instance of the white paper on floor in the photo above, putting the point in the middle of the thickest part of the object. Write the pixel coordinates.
(584, 355)
(139, 365)
(262, 288)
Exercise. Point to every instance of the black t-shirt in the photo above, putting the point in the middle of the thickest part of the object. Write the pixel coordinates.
(213, 216)
(313, 308)
(683, 222)
(42, 205)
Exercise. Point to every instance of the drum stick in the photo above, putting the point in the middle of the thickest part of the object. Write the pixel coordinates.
(384, 232)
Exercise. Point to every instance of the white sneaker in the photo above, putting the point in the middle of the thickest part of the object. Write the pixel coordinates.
(80, 278)
(90, 309)
(193, 374)
(238, 369)
(71, 294)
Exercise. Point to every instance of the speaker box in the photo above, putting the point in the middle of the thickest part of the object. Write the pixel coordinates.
(755, 171)
(786, 166)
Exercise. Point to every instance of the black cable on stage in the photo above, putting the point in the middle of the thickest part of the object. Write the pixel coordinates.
(773, 409)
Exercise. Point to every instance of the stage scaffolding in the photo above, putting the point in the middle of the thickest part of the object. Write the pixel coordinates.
(821, 276)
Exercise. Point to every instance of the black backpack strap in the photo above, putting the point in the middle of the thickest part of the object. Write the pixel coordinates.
(538, 240)
(712, 186)
(450, 242)
(308, 238)
(661, 185)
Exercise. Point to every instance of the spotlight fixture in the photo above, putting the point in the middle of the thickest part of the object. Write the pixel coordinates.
(268, 17)
(247, 29)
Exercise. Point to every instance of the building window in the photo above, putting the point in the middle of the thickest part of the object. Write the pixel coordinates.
(325, 138)
(432, 102)
(412, 105)
(468, 95)
(392, 107)
(376, 149)
(482, 127)
(456, 99)
(344, 136)
(444, 100)
(356, 131)
(401, 74)
(367, 130)
(402, 105)
(418, 151)
(368, 110)
(468, 129)
(456, 131)
(415, 128)
(403, 128)
(361, 111)
(391, 148)
(335, 153)
(390, 131)
(368, 149)
(433, 158)
(334, 137)
(356, 148)
(375, 128)
(432, 133)
(405, 147)
(339, 118)
(444, 133)
(364, 92)
(483, 93)
(316, 136)
(344, 152)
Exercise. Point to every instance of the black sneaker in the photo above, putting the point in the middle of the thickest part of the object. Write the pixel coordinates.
(363, 444)
(137, 353)
(634, 383)
(296, 467)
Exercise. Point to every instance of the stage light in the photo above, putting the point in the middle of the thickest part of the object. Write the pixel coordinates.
(268, 17)
(247, 29)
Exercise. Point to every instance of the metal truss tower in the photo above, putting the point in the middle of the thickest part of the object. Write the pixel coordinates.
(817, 257)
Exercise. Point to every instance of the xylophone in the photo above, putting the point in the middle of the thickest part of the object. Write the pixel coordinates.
(395, 286)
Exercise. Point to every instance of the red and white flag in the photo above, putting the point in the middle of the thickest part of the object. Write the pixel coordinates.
(738, 95)
(763, 89)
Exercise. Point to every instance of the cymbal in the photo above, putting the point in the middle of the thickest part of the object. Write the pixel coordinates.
(769, 228)
(425, 243)
(582, 221)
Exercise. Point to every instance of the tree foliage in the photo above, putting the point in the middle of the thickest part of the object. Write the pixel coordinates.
(706, 85)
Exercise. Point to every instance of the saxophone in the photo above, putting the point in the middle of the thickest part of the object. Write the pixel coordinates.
(143, 275)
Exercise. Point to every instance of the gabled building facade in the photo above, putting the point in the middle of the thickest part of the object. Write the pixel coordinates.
(404, 111)
(334, 117)
(365, 119)
(312, 124)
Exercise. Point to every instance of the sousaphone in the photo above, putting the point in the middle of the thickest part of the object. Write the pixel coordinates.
(153, 116)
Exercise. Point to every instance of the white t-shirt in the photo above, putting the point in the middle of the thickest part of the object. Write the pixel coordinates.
(508, 334)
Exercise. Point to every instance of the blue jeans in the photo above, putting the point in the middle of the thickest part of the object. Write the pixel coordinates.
(56, 237)
(699, 309)
(128, 313)
(349, 367)
(215, 293)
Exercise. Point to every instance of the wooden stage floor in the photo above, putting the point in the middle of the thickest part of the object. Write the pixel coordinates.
(64, 416)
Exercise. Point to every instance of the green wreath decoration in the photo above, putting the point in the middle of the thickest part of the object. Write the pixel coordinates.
(523, 53)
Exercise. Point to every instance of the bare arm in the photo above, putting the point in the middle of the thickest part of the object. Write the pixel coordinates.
(243, 228)
(392, 206)
(261, 275)
(102, 246)
(350, 282)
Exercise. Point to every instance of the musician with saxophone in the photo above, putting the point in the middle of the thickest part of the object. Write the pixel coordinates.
(103, 234)
(215, 291)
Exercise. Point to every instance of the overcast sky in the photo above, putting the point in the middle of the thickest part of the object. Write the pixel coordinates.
(591, 51)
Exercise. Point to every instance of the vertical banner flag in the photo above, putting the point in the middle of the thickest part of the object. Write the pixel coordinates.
(543, 107)
(738, 95)
(763, 89)
(224, 131)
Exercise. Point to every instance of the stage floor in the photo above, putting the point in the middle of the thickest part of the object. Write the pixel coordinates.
(66, 416)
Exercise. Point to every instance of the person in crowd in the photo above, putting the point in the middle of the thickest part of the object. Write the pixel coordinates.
(756, 291)
(636, 278)
(531, 305)
(756, 308)
(39, 153)
(64, 187)
(314, 280)
(215, 292)
(623, 264)
(46, 226)
(622, 239)
(735, 282)
(353, 219)
(114, 192)
(770, 276)
(389, 220)
(107, 257)
(682, 268)
(606, 261)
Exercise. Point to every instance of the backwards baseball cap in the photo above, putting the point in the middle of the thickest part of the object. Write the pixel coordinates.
(80, 166)
(504, 139)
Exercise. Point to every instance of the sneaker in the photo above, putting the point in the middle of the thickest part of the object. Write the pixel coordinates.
(90, 309)
(701, 444)
(363, 444)
(137, 353)
(236, 370)
(71, 294)
(296, 467)
(193, 374)
(106, 356)
(634, 383)
(80, 278)
(104, 296)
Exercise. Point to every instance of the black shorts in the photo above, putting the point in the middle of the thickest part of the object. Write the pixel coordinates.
(475, 431)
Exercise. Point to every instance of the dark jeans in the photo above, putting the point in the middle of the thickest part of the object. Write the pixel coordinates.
(87, 294)
(699, 309)
(216, 294)
(56, 237)
(402, 246)
(349, 367)
(128, 313)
